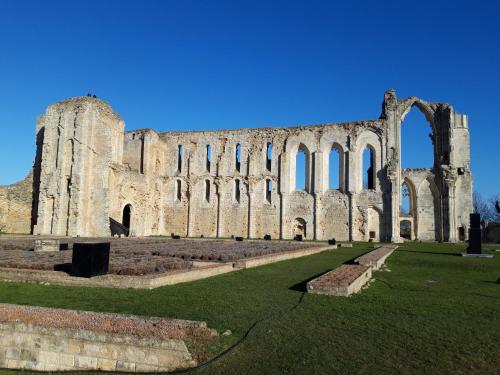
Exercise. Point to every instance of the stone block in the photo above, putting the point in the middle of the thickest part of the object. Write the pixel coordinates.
(85, 362)
(47, 245)
(106, 364)
(125, 366)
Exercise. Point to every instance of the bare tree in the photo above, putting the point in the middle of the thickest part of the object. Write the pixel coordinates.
(488, 209)
(480, 206)
(494, 205)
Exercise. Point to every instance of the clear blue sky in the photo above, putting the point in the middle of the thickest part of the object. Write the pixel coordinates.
(212, 64)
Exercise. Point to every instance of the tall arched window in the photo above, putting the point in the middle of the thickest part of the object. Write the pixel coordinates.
(179, 158)
(207, 190)
(368, 168)
(238, 157)
(269, 190)
(335, 169)
(301, 170)
(237, 193)
(417, 150)
(405, 199)
(178, 190)
(209, 157)
(269, 156)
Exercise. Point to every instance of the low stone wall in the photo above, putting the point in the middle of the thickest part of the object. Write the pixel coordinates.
(350, 278)
(376, 258)
(342, 281)
(200, 271)
(114, 281)
(272, 258)
(35, 338)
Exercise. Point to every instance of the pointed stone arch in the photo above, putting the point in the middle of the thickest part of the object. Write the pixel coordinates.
(301, 147)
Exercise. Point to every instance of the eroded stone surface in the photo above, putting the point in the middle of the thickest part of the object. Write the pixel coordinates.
(55, 339)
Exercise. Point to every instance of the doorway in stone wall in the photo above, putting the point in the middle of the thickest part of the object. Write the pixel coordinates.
(461, 233)
(299, 227)
(405, 229)
(127, 215)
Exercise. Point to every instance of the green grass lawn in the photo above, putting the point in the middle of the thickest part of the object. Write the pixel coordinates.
(431, 312)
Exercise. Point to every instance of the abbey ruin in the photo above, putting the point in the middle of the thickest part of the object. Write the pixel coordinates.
(226, 183)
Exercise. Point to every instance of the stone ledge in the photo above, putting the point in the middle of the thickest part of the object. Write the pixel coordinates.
(272, 258)
(114, 281)
(350, 278)
(342, 281)
(375, 258)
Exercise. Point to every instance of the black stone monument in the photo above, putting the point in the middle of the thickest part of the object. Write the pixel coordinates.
(298, 237)
(90, 259)
(474, 234)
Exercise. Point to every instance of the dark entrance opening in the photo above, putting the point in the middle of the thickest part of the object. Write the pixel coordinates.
(461, 234)
(405, 229)
(127, 211)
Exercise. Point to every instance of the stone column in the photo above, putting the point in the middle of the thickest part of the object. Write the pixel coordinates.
(318, 188)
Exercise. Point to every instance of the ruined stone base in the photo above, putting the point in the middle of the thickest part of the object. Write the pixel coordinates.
(350, 278)
(33, 338)
(376, 258)
(342, 281)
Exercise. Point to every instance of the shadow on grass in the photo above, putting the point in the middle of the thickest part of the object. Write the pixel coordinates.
(429, 252)
(492, 282)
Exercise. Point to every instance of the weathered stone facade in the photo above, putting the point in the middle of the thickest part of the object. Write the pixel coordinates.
(243, 182)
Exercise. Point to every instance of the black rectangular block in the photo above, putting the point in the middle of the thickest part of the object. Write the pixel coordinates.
(333, 241)
(90, 259)
(475, 221)
(298, 237)
(239, 238)
(267, 237)
(474, 241)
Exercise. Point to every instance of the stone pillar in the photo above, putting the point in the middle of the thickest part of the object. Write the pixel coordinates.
(450, 212)
(147, 157)
(284, 189)
(318, 188)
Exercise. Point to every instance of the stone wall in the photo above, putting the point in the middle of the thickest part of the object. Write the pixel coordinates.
(32, 339)
(16, 206)
(243, 182)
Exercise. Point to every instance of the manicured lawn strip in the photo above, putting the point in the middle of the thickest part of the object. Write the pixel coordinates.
(434, 312)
